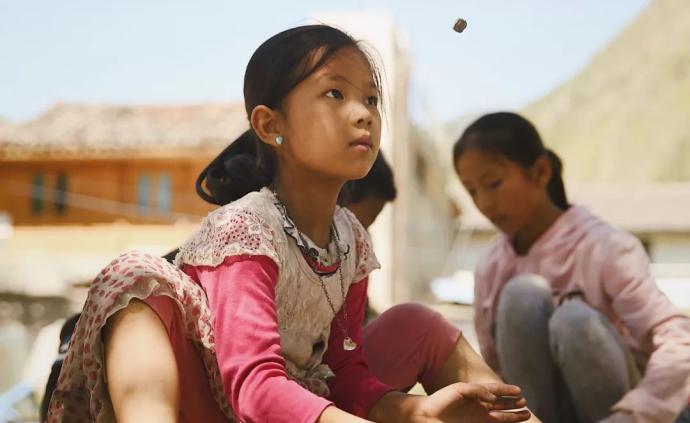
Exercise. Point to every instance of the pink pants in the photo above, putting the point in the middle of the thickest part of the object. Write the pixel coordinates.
(408, 343)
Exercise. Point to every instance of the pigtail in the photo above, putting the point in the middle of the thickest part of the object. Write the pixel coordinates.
(555, 187)
(235, 172)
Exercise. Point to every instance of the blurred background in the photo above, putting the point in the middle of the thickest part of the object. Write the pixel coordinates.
(108, 111)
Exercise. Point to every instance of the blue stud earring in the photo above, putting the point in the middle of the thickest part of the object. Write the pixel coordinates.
(279, 140)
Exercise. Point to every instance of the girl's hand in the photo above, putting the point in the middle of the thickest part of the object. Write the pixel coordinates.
(472, 403)
(617, 418)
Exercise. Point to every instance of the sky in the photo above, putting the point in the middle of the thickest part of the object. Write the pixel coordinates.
(174, 51)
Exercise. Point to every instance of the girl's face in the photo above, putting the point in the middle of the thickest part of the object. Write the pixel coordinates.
(503, 191)
(331, 121)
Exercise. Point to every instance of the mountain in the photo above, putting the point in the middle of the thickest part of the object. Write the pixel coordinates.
(626, 117)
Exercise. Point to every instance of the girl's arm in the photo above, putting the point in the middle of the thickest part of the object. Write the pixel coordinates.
(143, 387)
(241, 294)
(657, 325)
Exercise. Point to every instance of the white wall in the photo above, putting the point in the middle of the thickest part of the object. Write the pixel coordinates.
(670, 248)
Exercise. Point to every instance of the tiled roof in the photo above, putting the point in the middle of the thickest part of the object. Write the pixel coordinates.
(75, 129)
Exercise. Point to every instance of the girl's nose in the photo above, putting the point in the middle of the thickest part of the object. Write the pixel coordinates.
(362, 116)
(485, 204)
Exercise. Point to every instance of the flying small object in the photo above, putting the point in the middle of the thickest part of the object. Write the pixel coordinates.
(460, 25)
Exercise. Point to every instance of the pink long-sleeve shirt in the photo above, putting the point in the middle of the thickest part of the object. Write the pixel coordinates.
(582, 252)
(241, 294)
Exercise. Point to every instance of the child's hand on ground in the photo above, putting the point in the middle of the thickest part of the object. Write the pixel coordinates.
(473, 403)
(617, 418)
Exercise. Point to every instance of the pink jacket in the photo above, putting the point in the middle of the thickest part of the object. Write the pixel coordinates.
(582, 252)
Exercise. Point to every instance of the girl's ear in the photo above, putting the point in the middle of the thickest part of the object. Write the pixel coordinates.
(541, 171)
(265, 122)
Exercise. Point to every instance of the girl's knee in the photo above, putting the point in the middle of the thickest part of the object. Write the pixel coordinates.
(575, 326)
(418, 321)
(410, 313)
(527, 284)
(524, 295)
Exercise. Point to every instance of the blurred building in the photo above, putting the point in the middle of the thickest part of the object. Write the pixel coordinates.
(85, 164)
(83, 183)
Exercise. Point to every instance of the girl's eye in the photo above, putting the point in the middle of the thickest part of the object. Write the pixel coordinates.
(372, 100)
(495, 184)
(335, 94)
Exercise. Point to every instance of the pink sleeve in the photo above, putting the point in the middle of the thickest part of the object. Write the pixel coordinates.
(241, 294)
(657, 325)
(354, 389)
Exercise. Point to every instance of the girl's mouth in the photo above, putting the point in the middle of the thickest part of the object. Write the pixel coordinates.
(363, 143)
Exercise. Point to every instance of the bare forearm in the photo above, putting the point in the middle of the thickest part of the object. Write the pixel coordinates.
(394, 407)
(333, 414)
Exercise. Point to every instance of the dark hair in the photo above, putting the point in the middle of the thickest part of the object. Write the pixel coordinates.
(274, 70)
(514, 137)
(378, 182)
(232, 174)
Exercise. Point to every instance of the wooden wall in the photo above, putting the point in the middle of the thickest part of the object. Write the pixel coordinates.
(101, 191)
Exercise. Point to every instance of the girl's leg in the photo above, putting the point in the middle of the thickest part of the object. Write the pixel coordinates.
(143, 386)
(408, 343)
(143, 334)
(522, 340)
(597, 365)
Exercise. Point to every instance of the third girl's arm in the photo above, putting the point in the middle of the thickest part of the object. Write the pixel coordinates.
(664, 390)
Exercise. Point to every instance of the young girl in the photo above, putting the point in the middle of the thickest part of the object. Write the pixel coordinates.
(565, 305)
(261, 320)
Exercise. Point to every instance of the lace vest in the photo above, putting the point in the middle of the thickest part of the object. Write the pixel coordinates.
(254, 225)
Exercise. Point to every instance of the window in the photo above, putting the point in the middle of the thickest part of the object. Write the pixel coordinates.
(164, 186)
(61, 194)
(37, 193)
(143, 193)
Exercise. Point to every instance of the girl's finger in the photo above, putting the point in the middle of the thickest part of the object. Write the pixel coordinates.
(476, 391)
(508, 403)
(509, 416)
(503, 390)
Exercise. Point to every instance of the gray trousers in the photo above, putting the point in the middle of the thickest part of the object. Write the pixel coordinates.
(570, 362)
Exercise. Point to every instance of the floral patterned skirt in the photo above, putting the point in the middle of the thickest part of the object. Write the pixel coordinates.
(81, 393)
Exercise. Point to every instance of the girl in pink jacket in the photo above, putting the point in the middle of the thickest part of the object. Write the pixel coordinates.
(565, 305)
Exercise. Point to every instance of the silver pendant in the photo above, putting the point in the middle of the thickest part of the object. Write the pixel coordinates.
(349, 344)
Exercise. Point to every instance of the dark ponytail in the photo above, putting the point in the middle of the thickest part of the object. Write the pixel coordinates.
(234, 172)
(555, 188)
(274, 70)
(515, 138)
